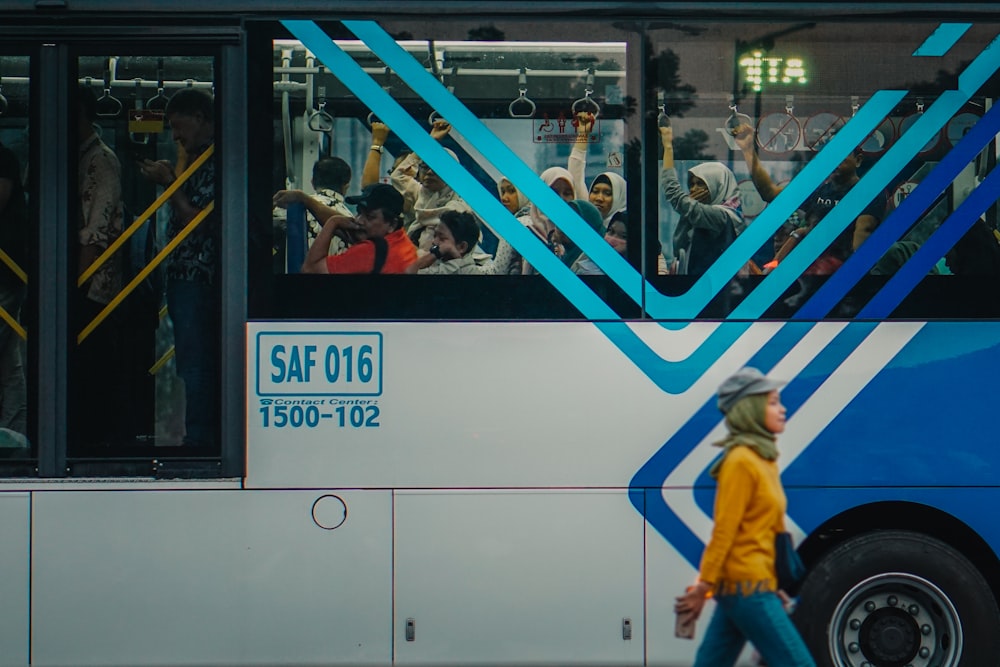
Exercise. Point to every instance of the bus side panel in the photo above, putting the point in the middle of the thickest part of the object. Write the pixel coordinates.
(548, 577)
(15, 517)
(211, 577)
(457, 404)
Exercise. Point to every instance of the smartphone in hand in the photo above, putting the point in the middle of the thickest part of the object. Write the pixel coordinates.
(684, 626)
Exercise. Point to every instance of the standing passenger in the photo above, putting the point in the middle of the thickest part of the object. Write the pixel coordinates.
(100, 406)
(193, 271)
(710, 213)
(737, 567)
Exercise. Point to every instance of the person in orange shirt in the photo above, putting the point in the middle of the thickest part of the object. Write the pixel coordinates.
(385, 248)
(737, 568)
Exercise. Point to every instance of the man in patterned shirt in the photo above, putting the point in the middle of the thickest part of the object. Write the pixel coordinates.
(193, 269)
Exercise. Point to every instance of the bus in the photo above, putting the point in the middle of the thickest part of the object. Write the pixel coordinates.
(209, 456)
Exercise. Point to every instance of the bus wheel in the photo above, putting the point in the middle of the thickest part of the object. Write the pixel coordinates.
(898, 599)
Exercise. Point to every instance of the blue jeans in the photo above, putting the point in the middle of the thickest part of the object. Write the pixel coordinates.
(194, 311)
(760, 618)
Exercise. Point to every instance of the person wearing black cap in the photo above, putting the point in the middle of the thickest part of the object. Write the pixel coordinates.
(386, 248)
(737, 568)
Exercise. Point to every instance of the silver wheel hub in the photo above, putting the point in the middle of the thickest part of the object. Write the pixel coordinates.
(895, 620)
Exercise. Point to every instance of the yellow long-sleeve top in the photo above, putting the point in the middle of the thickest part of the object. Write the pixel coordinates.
(749, 510)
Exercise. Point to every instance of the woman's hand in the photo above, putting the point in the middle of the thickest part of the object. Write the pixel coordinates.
(693, 599)
(743, 135)
(667, 137)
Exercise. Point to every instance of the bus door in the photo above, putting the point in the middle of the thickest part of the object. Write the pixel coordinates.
(117, 343)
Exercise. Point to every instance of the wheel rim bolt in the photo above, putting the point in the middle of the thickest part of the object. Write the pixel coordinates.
(853, 647)
(925, 629)
(893, 600)
(925, 652)
(869, 606)
(913, 609)
(855, 624)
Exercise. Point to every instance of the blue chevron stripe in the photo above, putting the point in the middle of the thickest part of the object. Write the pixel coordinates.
(373, 95)
(681, 307)
(941, 40)
(934, 248)
(905, 148)
(900, 220)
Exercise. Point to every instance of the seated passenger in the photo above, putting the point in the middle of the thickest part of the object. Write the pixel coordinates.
(385, 248)
(455, 237)
(709, 214)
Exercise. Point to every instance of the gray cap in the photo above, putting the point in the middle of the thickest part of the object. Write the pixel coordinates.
(745, 382)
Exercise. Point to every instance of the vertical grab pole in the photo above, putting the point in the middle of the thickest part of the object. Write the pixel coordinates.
(295, 237)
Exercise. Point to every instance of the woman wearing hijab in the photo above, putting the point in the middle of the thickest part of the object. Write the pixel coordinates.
(512, 199)
(431, 196)
(561, 182)
(710, 213)
(508, 261)
(737, 568)
(571, 254)
(609, 191)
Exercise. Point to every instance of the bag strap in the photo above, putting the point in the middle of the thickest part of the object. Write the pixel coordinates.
(381, 252)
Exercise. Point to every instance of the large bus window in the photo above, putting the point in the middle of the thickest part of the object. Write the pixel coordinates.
(144, 372)
(16, 443)
(529, 130)
(790, 160)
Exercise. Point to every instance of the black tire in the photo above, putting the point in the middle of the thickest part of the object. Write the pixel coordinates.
(894, 599)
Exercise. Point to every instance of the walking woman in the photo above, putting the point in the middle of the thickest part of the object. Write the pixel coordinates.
(737, 568)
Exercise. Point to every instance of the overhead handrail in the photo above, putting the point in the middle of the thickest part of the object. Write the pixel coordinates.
(108, 106)
(143, 137)
(522, 97)
(434, 115)
(662, 119)
(321, 120)
(736, 118)
(587, 104)
(387, 87)
(158, 102)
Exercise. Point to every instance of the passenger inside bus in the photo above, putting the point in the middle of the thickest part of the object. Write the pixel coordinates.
(608, 191)
(98, 378)
(571, 254)
(385, 247)
(455, 238)
(821, 202)
(561, 182)
(194, 267)
(710, 213)
(331, 177)
(431, 196)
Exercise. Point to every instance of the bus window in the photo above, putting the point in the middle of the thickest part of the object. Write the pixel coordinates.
(787, 151)
(15, 268)
(527, 128)
(144, 376)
